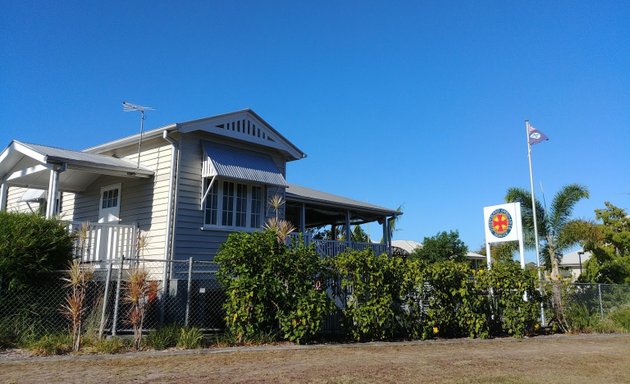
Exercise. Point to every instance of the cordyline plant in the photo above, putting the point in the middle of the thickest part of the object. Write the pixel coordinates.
(282, 228)
(140, 293)
(77, 279)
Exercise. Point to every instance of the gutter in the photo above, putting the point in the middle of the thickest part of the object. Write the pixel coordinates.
(170, 215)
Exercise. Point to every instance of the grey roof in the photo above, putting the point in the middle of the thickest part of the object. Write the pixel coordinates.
(236, 163)
(574, 259)
(299, 193)
(54, 154)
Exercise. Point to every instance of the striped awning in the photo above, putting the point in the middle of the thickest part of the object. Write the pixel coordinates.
(236, 163)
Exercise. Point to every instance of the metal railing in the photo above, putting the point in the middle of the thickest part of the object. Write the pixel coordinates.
(335, 247)
(101, 242)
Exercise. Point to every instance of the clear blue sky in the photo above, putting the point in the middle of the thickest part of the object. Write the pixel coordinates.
(420, 104)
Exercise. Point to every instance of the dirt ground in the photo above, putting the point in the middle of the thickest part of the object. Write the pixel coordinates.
(549, 359)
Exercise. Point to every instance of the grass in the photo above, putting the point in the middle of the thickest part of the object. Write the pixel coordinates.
(551, 359)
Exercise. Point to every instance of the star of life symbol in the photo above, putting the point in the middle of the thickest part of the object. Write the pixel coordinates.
(500, 223)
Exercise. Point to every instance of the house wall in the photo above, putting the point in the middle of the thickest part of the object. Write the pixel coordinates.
(143, 201)
(190, 239)
(15, 203)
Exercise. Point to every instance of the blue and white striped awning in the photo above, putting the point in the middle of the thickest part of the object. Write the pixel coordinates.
(240, 164)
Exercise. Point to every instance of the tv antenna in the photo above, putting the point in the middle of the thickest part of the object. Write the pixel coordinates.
(128, 107)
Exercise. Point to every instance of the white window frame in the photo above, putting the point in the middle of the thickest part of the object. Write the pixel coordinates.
(219, 185)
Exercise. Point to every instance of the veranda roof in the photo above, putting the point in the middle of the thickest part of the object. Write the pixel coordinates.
(25, 165)
(325, 208)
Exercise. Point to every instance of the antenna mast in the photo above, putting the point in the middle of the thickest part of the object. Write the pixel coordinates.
(128, 107)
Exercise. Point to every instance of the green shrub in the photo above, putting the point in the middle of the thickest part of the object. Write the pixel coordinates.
(31, 250)
(457, 306)
(270, 287)
(111, 345)
(163, 338)
(621, 317)
(31, 247)
(373, 307)
(515, 301)
(190, 338)
(52, 344)
(580, 319)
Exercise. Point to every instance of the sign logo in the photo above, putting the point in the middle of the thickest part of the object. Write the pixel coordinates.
(535, 136)
(500, 223)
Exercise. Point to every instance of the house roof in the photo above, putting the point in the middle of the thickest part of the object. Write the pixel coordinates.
(23, 164)
(303, 194)
(573, 259)
(407, 245)
(213, 124)
(236, 163)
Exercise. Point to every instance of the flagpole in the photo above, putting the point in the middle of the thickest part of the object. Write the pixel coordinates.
(531, 185)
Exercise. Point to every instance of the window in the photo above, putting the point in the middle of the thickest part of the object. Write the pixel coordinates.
(234, 205)
(257, 205)
(110, 198)
(212, 206)
(227, 212)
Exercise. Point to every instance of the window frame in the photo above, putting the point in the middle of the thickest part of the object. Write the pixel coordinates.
(218, 196)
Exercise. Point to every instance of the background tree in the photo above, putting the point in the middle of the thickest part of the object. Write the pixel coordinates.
(441, 247)
(501, 252)
(610, 260)
(556, 229)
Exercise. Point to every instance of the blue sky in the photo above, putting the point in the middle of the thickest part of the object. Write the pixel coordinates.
(419, 104)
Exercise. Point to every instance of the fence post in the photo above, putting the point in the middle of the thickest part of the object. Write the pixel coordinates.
(101, 329)
(116, 302)
(601, 305)
(190, 267)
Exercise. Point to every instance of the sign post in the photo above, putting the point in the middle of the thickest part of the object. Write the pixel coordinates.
(503, 223)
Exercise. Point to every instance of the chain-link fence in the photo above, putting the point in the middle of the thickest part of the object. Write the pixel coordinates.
(191, 297)
(598, 299)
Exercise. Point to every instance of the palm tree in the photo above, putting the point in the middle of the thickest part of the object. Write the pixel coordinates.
(556, 229)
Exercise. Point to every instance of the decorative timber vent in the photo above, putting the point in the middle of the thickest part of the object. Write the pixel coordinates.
(245, 127)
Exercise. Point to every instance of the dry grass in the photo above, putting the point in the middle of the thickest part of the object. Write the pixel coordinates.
(555, 359)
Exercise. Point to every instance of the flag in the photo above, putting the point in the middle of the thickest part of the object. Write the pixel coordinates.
(535, 136)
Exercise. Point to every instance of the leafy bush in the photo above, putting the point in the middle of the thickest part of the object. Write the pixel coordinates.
(372, 283)
(190, 338)
(163, 338)
(270, 287)
(31, 247)
(457, 306)
(515, 300)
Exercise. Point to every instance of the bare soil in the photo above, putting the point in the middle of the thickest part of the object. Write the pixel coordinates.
(548, 359)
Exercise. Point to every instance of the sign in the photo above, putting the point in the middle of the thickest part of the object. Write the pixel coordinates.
(502, 222)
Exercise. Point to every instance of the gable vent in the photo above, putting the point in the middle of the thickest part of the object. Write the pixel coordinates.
(246, 128)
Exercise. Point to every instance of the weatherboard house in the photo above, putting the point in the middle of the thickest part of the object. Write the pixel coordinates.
(181, 188)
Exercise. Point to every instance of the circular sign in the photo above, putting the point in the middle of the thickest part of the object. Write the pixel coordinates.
(500, 223)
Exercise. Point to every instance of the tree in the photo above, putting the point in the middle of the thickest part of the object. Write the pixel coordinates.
(441, 247)
(610, 261)
(557, 231)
